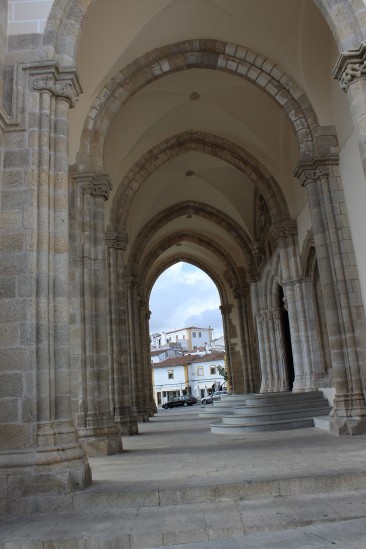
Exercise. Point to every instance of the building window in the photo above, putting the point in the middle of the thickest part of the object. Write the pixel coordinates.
(199, 334)
(170, 374)
(213, 370)
(200, 370)
(193, 334)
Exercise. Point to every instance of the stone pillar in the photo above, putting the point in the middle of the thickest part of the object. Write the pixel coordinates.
(340, 288)
(295, 295)
(226, 312)
(247, 339)
(40, 451)
(147, 369)
(350, 70)
(88, 318)
(263, 339)
(139, 406)
(120, 390)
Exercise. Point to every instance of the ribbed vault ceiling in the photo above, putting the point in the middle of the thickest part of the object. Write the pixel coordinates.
(292, 33)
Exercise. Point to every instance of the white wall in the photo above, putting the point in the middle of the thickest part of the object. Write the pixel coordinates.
(355, 193)
(28, 16)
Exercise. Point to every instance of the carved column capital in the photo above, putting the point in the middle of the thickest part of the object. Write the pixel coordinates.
(96, 185)
(117, 241)
(350, 66)
(282, 231)
(241, 292)
(102, 186)
(313, 171)
(131, 283)
(63, 82)
(226, 309)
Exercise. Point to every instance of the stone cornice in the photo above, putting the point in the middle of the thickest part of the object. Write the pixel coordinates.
(350, 66)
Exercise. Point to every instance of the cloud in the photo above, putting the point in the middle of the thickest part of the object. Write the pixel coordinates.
(184, 296)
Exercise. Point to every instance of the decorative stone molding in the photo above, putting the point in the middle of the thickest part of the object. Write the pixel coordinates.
(226, 309)
(241, 292)
(102, 187)
(350, 67)
(64, 89)
(117, 241)
(97, 186)
(60, 82)
(310, 172)
(283, 231)
(266, 317)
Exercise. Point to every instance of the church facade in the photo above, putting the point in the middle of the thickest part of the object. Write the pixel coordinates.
(229, 134)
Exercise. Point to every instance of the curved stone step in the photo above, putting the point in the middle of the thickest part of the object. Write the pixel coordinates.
(274, 407)
(284, 425)
(271, 398)
(275, 416)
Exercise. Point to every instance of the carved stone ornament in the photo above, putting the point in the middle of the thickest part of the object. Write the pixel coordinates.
(312, 172)
(283, 231)
(226, 309)
(117, 241)
(98, 186)
(101, 189)
(241, 292)
(58, 88)
(350, 66)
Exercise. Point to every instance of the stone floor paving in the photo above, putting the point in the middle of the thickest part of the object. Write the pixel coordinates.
(178, 485)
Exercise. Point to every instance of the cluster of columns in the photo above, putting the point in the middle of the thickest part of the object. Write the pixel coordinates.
(40, 450)
(341, 290)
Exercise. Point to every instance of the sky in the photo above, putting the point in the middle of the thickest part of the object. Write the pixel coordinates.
(184, 296)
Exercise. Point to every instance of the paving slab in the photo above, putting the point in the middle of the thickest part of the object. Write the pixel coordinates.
(178, 485)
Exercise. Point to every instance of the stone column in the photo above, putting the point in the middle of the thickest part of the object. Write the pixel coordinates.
(247, 339)
(40, 451)
(295, 295)
(266, 381)
(226, 312)
(139, 407)
(120, 390)
(88, 319)
(340, 288)
(350, 70)
(145, 346)
(281, 379)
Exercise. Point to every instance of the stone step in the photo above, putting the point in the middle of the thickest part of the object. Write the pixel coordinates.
(281, 406)
(190, 525)
(271, 398)
(274, 416)
(284, 425)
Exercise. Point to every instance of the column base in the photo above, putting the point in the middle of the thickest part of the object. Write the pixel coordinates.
(125, 422)
(341, 425)
(140, 412)
(100, 437)
(56, 466)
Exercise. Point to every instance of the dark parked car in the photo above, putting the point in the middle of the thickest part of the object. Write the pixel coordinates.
(184, 400)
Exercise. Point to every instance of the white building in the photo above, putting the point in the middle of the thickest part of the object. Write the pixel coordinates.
(191, 338)
(189, 374)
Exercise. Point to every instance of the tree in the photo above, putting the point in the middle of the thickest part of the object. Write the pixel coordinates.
(223, 372)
